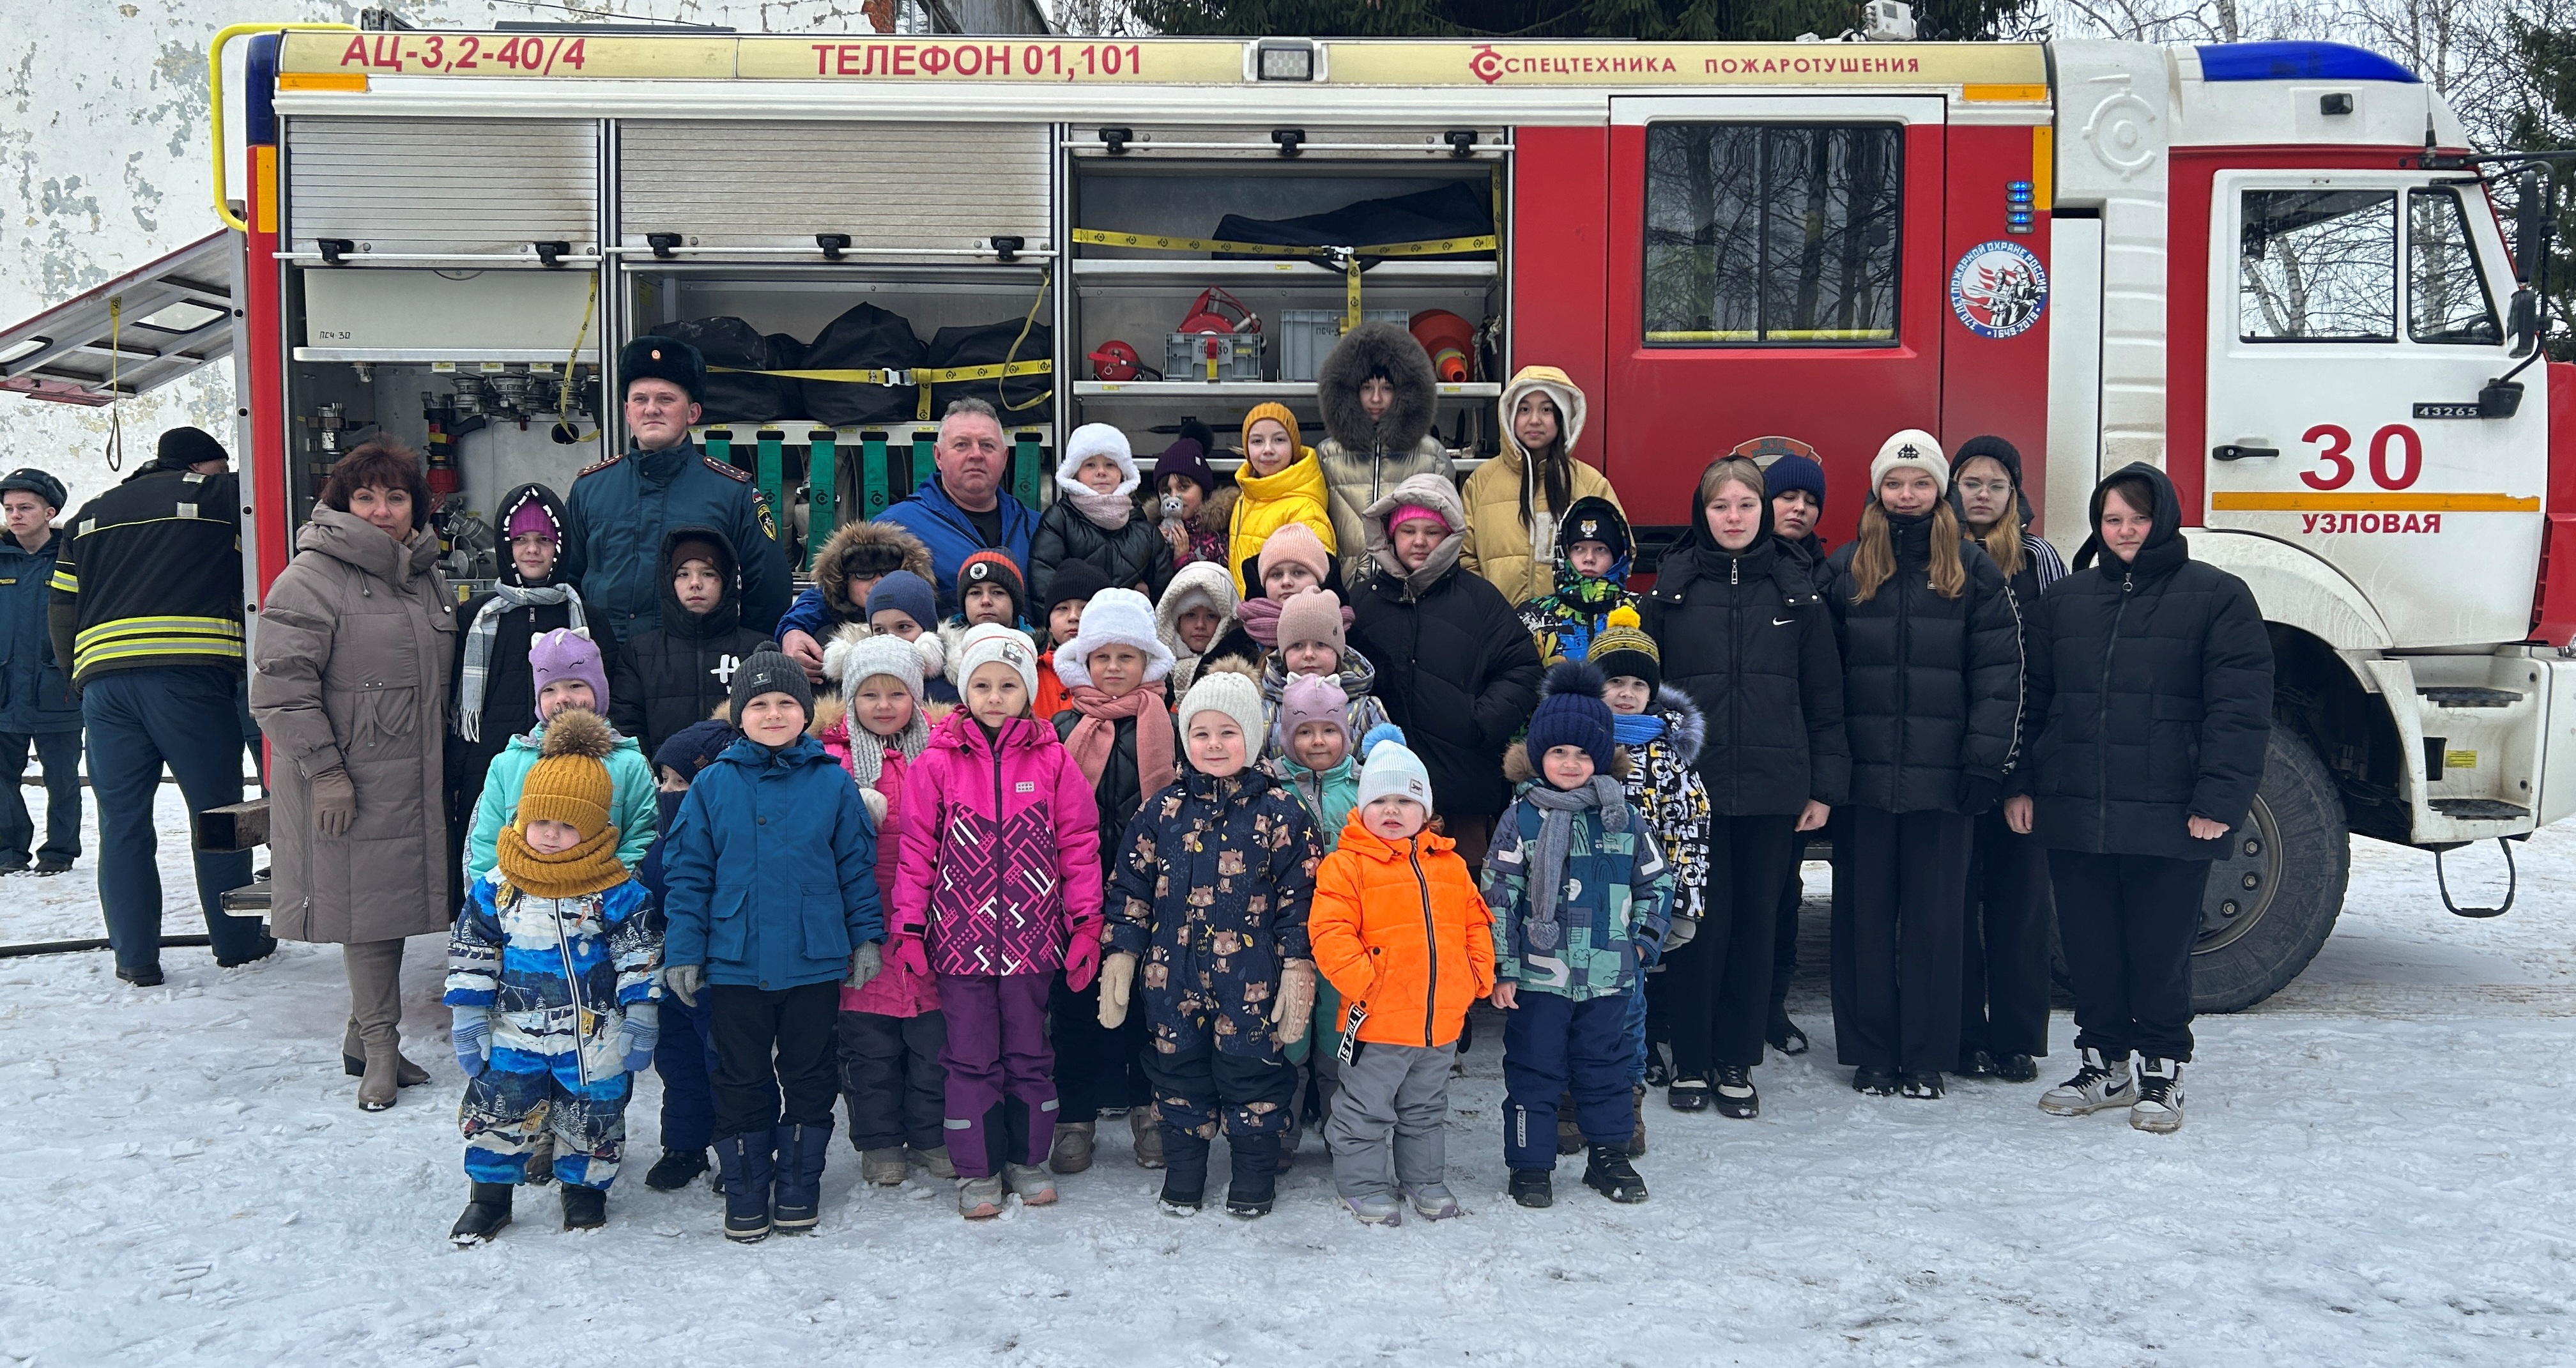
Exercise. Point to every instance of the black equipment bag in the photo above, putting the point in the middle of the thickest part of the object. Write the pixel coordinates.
(737, 346)
(1461, 209)
(1019, 397)
(864, 337)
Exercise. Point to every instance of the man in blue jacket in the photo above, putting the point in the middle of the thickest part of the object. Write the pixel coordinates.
(620, 508)
(962, 509)
(38, 709)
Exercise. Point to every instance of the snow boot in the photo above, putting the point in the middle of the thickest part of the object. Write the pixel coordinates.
(1975, 1064)
(1923, 1085)
(935, 1160)
(1533, 1187)
(541, 1159)
(1610, 1174)
(1659, 1065)
(1687, 1094)
(882, 1167)
(149, 976)
(353, 1055)
(1783, 1034)
(2158, 1109)
(802, 1148)
(2017, 1068)
(1874, 1080)
(1434, 1201)
(980, 1199)
(2102, 1083)
(1735, 1095)
(1254, 1183)
(1073, 1142)
(1377, 1208)
(1636, 1108)
(1145, 1124)
(675, 1170)
(1185, 1166)
(1035, 1185)
(747, 1165)
(487, 1209)
(1569, 1134)
(584, 1208)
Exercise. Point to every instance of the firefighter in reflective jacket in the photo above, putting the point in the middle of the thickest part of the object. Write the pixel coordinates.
(621, 508)
(147, 608)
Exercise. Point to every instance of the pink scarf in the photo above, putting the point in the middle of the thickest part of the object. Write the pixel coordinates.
(1260, 619)
(1096, 734)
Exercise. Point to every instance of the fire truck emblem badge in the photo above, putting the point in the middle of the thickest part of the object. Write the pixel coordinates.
(1486, 63)
(1998, 289)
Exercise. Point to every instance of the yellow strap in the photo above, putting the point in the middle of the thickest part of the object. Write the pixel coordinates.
(855, 377)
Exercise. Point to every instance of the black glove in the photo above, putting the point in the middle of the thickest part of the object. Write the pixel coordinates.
(1977, 793)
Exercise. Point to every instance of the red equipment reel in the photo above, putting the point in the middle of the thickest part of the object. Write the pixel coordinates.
(1116, 361)
(1205, 317)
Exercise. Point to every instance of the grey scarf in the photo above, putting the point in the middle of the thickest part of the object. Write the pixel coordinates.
(868, 750)
(506, 598)
(1555, 840)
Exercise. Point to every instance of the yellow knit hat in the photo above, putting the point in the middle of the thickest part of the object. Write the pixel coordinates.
(1279, 413)
(569, 783)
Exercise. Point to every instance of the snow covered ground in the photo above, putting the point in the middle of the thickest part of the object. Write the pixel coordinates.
(2375, 1171)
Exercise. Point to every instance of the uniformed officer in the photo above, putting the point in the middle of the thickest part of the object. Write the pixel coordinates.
(621, 507)
(147, 608)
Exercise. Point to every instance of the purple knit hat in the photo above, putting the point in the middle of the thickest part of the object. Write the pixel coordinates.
(1312, 698)
(569, 653)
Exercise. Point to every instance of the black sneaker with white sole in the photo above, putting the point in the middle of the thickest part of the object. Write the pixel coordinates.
(1874, 1080)
(1687, 1095)
(1736, 1098)
(1923, 1085)
(2100, 1084)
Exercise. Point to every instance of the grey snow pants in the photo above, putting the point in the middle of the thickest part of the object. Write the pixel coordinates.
(1399, 1088)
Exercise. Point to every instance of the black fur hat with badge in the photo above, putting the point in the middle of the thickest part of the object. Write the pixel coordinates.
(663, 358)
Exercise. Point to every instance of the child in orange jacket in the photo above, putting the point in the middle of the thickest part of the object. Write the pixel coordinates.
(1401, 931)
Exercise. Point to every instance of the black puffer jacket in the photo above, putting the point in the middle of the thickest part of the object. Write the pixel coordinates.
(1133, 557)
(1120, 791)
(1931, 685)
(1751, 642)
(1455, 667)
(677, 673)
(2150, 696)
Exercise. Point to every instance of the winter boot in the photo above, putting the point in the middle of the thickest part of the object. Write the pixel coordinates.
(980, 1199)
(1610, 1174)
(1290, 1138)
(1923, 1085)
(675, 1170)
(1435, 1201)
(2017, 1068)
(1735, 1095)
(802, 1148)
(882, 1167)
(747, 1166)
(1073, 1141)
(1533, 1187)
(1035, 1185)
(353, 1056)
(1254, 1184)
(1377, 1208)
(584, 1208)
(1874, 1081)
(934, 1160)
(1783, 1034)
(2102, 1083)
(1146, 1125)
(1659, 1065)
(1636, 1137)
(2158, 1109)
(1569, 1134)
(1185, 1166)
(541, 1160)
(1687, 1094)
(378, 1079)
(487, 1209)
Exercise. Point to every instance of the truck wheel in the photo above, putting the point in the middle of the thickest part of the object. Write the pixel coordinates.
(2272, 901)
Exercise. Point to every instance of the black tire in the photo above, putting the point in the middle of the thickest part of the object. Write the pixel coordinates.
(2271, 904)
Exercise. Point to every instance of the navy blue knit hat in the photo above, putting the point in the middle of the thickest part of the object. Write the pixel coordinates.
(693, 748)
(908, 594)
(1792, 471)
(1571, 713)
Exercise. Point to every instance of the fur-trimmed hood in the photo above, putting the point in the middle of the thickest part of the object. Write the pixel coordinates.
(1518, 769)
(1685, 728)
(881, 542)
(1371, 347)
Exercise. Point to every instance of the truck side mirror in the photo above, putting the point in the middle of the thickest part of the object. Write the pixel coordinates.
(2522, 320)
(2530, 228)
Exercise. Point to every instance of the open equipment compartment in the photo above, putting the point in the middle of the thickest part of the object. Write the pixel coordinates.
(1180, 182)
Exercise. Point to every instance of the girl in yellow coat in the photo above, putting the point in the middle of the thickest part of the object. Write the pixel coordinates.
(1514, 501)
(1280, 483)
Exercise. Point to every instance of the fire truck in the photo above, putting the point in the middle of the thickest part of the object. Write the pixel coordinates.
(2274, 269)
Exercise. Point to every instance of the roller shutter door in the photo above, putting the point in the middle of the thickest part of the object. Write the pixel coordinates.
(469, 187)
(740, 183)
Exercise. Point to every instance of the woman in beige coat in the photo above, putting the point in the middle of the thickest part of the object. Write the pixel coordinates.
(349, 682)
(1514, 500)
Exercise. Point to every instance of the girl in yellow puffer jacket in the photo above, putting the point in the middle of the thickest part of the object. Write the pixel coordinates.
(1280, 483)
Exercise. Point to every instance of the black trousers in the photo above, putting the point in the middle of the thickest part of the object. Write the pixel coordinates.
(2003, 953)
(1095, 1067)
(2128, 923)
(1717, 988)
(892, 1081)
(1899, 878)
(768, 1042)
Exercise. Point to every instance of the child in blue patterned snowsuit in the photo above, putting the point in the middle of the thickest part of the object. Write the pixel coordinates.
(551, 980)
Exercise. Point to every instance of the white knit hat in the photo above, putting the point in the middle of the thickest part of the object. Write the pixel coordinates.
(1912, 447)
(989, 642)
(858, 654)
(1392, 770)
(1234, 695)
(1113, 617)
(1097, 439)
